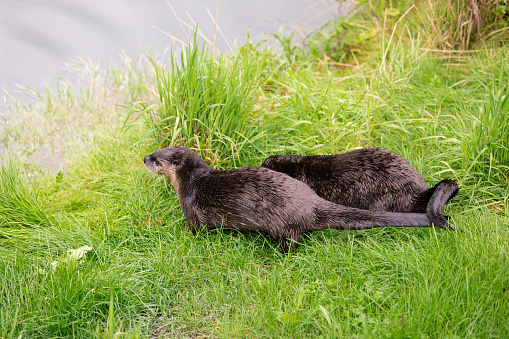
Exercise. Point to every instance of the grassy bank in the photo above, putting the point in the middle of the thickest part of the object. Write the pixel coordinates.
(145, 275)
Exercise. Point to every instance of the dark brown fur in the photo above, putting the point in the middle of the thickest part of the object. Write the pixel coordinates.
(259, 199)
(369, 178)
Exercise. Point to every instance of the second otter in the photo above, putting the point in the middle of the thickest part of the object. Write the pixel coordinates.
(369, 178)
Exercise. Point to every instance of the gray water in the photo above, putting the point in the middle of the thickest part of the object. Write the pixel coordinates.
(38, 36)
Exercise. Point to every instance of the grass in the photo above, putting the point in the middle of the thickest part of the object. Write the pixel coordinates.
(204, 102)
(453, 26)
(21, 206)
(147, 276)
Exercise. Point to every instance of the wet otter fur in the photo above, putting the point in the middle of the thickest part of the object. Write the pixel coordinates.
(259, 199)
(371, 179)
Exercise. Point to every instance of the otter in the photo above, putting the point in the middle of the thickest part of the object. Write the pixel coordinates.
(260, 199)
(371, 179)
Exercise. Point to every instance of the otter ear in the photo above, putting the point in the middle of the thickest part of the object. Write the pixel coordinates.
(175, 162)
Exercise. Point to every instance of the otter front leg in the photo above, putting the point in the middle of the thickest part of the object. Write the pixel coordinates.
(193, 223)
(193, 229)
(197, 227)
(290, 243)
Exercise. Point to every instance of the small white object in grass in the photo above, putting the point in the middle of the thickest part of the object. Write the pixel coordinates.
(72, 254)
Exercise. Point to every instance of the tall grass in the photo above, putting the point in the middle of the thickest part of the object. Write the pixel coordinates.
(451, 25)
(463, 24)
(489, 143)
(20, 206)
(206, 102)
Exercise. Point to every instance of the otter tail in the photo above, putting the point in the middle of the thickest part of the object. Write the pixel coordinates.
(444, 191)
(330, 215)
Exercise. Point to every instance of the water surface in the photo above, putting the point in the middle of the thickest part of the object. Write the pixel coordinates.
(38, 36)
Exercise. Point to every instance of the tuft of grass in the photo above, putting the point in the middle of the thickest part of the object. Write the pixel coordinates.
(20, 205)
(8, 323)
(205, 102)
(450, 26)
(464, 24)
(489, 145)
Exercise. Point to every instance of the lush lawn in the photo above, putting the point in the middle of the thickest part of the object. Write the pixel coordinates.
(147, 275)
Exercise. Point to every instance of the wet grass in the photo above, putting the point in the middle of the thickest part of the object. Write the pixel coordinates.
(147, 276)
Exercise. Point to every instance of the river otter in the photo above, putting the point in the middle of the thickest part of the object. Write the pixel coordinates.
(260, 199)
(371, 179)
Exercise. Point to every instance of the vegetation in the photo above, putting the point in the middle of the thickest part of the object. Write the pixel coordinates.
(452, 25)
(204, 101)
(102, 249)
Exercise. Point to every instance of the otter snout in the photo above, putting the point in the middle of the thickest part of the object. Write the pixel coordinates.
(150, 164)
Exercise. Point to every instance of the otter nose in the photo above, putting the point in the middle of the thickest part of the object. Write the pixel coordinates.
(147, 158)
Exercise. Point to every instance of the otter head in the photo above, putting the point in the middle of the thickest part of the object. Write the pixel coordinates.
(284, 163)
(178, 163)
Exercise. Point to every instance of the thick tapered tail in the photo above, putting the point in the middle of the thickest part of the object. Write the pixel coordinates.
(444, 191)
(341, 217)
